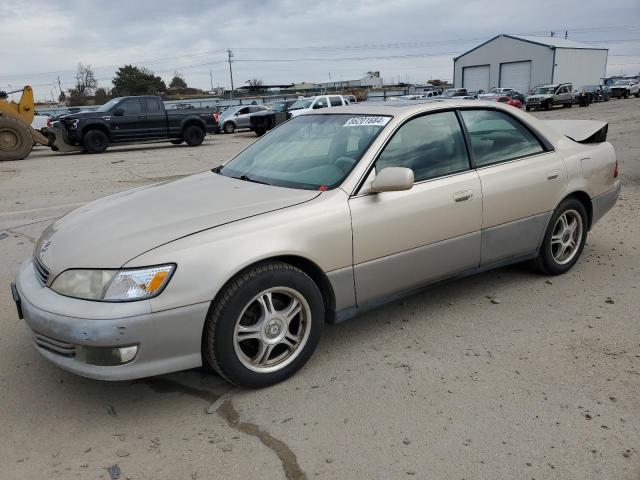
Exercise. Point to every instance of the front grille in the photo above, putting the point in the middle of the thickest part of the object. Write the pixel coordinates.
(55, 346)
(42, 272)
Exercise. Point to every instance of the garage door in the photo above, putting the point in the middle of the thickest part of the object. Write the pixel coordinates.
(516, 75)
(475, 78)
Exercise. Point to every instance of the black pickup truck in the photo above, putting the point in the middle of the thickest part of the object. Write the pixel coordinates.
(128, 120)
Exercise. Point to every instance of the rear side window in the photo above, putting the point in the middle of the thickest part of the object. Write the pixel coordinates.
(321, 103)
(131, 106)
(497, 137)
(335, 101)
(153, 105)
(431, 146)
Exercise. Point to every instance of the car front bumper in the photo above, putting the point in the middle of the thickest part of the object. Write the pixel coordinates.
(69, 332)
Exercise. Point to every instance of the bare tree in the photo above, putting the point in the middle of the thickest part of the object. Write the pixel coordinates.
(86, 84)
(255, 82)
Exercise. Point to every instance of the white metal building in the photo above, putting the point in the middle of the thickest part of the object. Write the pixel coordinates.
(521, 62)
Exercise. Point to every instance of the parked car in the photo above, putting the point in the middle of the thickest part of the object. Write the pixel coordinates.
(625, 88)
(514, 102)
(455, 92)
(128, 120)
(238, 117)
(351, 99)
(599, 93)
(582, 97)
(548, 96)
(515, 95)
(496, 92)
(431, 94)
(330, 214)
(314, 103)
(265, 120)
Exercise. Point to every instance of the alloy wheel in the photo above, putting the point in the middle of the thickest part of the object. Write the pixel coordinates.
(272, 329)
(566, 237)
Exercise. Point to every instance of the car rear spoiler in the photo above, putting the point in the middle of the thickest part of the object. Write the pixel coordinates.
(581, 131)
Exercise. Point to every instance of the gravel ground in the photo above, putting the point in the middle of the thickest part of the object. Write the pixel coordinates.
(442, 385)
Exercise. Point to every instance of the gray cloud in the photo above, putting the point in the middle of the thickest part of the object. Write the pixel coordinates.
(191, 37)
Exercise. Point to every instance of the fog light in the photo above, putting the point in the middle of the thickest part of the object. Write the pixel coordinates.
(107, 356)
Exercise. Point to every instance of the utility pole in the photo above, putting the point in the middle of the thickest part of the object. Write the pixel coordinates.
(230, 53)
(211, 79)
(59, 85)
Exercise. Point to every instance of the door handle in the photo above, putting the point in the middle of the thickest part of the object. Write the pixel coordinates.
(553, 175)
(463, 195)
(142, 117)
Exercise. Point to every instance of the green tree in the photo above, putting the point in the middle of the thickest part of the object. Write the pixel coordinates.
(131, 80)
(177, 81)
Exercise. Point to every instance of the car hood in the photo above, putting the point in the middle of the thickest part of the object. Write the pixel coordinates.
(109, 232)
(541, 95)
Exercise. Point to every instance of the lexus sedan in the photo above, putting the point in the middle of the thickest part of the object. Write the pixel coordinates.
(330, 214)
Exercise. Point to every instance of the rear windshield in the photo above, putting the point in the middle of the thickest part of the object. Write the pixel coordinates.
(310, 152)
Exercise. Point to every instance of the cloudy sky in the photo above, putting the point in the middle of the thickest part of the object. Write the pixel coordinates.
(283, 41)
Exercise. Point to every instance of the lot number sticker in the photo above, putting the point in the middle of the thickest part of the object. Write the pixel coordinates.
(367, 122)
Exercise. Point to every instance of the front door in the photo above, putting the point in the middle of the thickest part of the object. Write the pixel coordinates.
(156, 118)
(522, 181)
(242, 117)
(130, 125)
(406, 239)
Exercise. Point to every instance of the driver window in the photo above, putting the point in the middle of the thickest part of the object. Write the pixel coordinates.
(430, 145)
(243, 111)
(321, 103)
(131, 106)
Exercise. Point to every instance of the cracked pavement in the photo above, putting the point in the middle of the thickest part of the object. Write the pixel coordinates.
(445, 384)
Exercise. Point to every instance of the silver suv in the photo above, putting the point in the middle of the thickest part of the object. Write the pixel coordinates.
(547, 96)
(234, 118)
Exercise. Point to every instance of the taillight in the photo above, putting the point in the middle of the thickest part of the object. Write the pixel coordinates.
(48, 121)
(215, 117)
(616, 172)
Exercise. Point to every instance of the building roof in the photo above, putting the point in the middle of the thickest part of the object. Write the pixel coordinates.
(557, 42)
(551, 42)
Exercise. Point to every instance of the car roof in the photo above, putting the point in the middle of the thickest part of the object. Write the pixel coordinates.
(402, 107)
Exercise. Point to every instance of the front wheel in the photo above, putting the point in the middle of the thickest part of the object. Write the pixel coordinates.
(177, 141)
(95, 141)
(548, 105)
(264, 326)
(229, 127)
(564, 239)
(193, 135)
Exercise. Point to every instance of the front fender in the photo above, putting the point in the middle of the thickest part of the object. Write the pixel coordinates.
(318, 230)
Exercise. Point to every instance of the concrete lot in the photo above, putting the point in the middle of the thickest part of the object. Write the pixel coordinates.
(443, 385)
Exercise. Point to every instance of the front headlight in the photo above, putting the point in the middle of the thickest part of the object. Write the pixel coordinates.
(113, 285)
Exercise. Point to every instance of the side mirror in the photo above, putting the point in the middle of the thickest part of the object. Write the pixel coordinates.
(317, 105)
(392, 179)
(118, 112)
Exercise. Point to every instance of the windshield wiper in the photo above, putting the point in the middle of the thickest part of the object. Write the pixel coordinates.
(246, 178)
(217, 169)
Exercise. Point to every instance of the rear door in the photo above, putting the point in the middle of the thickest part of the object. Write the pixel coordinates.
(522, 181)
(320, 102)
(131, 124)
(405, 239)
(156, 121)
(335, 101)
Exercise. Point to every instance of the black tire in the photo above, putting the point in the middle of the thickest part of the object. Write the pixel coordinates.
(637, 94)
(260, 131)
(95, 141)
(218, 336)
(15, 139)
(528, 109)
(545, 262)
(177, 141)
(625, 94)
(548, 105)
(229, 127)
(193, 135)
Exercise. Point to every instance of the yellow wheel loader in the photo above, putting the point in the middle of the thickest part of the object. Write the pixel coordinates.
(16, 134)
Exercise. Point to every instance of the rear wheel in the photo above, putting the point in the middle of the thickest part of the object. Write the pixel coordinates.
(177, 141)
(564, 239)
(95, 141)
(548, 105)
(193, 135)
(264, 326)
(229, 127)
(15, 139)
(528, 109)
(626, 94)
(260, 131)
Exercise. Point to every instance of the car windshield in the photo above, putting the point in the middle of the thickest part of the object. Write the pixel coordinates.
(304, 103)
(495, 90)
(544, 90)
(109, 105)
(279, 107)
(590, 88)
(309, 152)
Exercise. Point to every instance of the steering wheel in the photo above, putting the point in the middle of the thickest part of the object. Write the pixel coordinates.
(345, 163)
